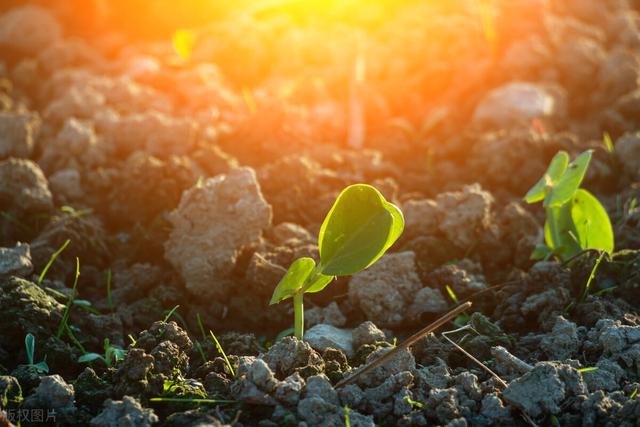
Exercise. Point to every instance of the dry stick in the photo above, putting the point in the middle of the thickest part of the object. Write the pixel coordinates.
(406, 344)
(470, 356)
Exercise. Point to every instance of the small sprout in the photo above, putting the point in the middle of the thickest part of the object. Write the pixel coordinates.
(347, 418)
(224, 355)
(112, 354)
(633, 394)
(587, 285)
(30, 348)
(608, 142)
(74, 212)
(188, 400)
(451, 294)
(576, 220)
(109, 297)
(413, 403)
(170, 313)
(51, 260)
(70, 301)
(588, 369)
(356, 232)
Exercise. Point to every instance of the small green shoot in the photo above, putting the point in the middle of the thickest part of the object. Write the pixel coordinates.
(112, 354)
(170, 313)
(356, 232)
(187, 400)
(588, 369)
(132, 339)
(30, 348)
(109, 297)
(51, 261)
(413, 403)
(67, 311)
(347, 418)
(224, 355)
(554, 421)
(608, 142)
(74, 212)
(587, 286)
(576, 220)
(633, 394)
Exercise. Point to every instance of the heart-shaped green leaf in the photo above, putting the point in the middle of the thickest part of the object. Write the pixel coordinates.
(555, 170)
(293, 280)
(591, 222)
(358, 229)
(565, 188)
(563, 240)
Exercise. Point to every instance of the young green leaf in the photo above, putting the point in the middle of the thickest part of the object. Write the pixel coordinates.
(592, 224)
(560, 233)
(608, 142)
(555, 170)
(293, 280)
(358, 229)
(569, 182)
(318, 284)
(30, 345)
(89, 357)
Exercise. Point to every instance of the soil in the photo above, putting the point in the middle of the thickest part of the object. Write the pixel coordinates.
(187, 185)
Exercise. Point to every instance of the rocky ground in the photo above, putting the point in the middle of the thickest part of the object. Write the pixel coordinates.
(194, 183)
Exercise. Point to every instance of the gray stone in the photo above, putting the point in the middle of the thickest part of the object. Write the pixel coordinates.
(23, 187)
(28, 30)
(54, 393)
(17, 133)
(124, 413)
(466, 214)
(322, 336)
(544, 388)
(507, 363)
(211, 226)
(563, 342)
(427, 301)
(66, 184)
(288, 391)
(367, 333)
(402, 361)
(384, 290)
(16, 261)
(288, 354)
(330, 315)
(515, 103)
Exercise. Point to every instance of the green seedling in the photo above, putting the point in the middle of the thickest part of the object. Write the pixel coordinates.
(592, 275)
(51, 260)
(30, 347)
(347, 418)
(109, 297)
(67, 311)
(224, 355)
(112, 354)
(608, 142)
(413, 403)
(633, 394)
(587, 369)
(356, 232)
(576, 220)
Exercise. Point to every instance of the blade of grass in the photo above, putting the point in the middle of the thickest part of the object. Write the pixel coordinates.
(185, 400)
(587, 286)
(224, 355)
(109, 298)
(67, 311)
(51, 260)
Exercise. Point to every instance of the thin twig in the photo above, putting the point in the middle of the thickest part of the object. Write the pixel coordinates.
(470, 356)
(406, 344)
